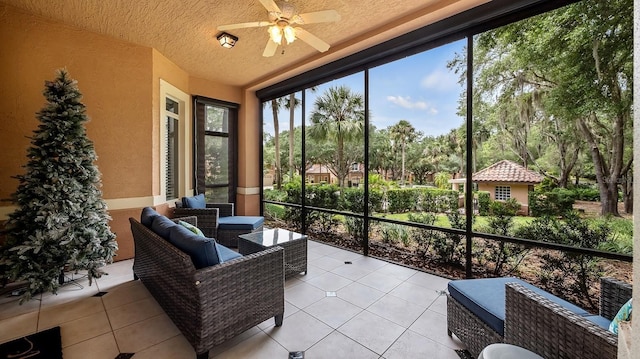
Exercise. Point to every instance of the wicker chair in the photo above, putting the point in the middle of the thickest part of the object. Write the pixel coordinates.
(213, 304)
(542, 326)
(207, 217)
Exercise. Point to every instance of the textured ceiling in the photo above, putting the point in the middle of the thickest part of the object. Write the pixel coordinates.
(184, 30)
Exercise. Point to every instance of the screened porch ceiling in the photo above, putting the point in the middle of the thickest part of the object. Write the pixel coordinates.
(185, 31)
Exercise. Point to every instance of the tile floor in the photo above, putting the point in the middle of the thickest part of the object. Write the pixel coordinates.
(366, 309)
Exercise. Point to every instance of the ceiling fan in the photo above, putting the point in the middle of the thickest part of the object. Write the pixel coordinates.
(281, 19)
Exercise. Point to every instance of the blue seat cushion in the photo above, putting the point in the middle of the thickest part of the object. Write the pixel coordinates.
(161, 226)
(240, 222)
(196, 201)
(486, 298)
(599, 320)
(203, 251)
(147, 216)
(226, 254)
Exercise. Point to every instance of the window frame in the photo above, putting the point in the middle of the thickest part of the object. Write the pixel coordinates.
(183, 148)
(200, 133)
(504, 191)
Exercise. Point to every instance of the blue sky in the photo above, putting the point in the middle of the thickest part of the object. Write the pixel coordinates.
(419, 89)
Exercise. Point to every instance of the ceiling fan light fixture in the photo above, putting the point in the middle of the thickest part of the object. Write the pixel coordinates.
(276, 34)
(289, 34)
(227, 40)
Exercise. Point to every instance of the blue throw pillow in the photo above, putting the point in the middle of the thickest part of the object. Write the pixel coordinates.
(148, 215)
(161, 226)
(194, 202)
(202, 250)
(624, 314)
(191, 228)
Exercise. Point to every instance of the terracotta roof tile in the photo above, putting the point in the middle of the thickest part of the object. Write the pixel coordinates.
(317, 169)
(507, 171)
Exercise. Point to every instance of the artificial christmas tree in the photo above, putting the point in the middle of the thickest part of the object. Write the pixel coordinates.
(61, 222)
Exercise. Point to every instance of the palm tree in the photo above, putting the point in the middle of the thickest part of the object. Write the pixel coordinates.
(275, 108)
(276, 105)
(291, 104)
(403, 133)
(338, 116)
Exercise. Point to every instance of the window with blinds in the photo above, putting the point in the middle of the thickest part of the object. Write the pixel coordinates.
(171, 143)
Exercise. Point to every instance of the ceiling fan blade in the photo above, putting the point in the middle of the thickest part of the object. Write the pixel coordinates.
(319, 16)
(244, 25)
(270, 5)
(311, 39)
(270, 49)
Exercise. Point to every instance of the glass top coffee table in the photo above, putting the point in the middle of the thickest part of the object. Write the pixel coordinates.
(294, 244)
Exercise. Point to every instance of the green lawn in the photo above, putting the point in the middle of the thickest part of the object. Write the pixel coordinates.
(442, 221)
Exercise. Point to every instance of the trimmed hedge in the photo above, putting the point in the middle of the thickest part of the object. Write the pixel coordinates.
(433, 200)
(557, 202)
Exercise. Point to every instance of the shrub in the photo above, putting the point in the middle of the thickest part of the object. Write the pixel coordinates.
(352, 199)
(621, 238)
(274, 211)
(437, 200)
(586, 194)
(423, 237)
(275, 195)
(484, 198)
(506, 257)
(448, 246)
(402, 199)
(389, 233)
(322, 196)
(422, 199)
(562, 272)
(556, 202)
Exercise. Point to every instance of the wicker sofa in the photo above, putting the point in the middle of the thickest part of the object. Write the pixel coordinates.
(540, 322)
(212, 304)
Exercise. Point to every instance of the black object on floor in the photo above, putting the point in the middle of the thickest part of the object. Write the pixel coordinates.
(43, 345)
(296, 355)
(464, 354)
(125, 356)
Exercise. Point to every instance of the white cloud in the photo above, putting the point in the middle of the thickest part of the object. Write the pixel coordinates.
(407, 103)
(441, 80)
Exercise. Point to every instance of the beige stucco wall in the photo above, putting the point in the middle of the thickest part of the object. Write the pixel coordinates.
(519, 191)
(120, 82)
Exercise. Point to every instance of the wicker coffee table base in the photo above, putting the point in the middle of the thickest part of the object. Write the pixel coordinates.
(295, 254)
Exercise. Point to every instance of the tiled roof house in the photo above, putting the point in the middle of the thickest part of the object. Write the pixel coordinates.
(507, 171)
(506, 179)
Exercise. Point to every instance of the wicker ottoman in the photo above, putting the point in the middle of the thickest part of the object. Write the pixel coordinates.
(229, 228)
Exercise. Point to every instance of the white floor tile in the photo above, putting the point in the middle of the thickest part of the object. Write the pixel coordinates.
(85, 328)
(372, 331)
(333, 311)
(329, 282)
(413, 345)
(259, 346)
(397, 310)
(102, 347)
(338, 346)
(300, 332)
(144, 334)
(360, 294)
(303, 295)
